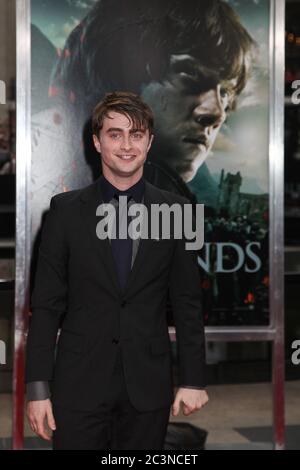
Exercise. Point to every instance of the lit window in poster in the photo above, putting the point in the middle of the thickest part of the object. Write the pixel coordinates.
(203, 67)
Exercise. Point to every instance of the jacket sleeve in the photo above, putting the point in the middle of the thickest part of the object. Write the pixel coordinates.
(37, 391)
(185, 296)
(48, 298)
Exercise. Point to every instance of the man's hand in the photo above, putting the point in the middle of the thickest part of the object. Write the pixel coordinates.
(192, 400)
(38, 413)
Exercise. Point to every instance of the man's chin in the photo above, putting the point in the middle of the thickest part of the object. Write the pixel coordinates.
(127, 172)
(187, 176)
(191, 163)
(188, 172)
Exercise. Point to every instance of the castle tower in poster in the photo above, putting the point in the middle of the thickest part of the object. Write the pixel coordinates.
(229, 191)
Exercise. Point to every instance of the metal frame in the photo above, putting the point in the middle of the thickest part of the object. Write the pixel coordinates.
(273, 332)
(23, 219)
(276, 162)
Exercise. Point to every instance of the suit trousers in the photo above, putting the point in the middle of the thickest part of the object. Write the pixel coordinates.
(114, 425)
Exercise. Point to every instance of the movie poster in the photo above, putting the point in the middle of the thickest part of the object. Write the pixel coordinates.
(203, 67)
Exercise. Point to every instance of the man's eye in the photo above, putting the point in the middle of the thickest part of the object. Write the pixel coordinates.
(137, 136)
(185, 69)
(224, 92)
(186, 73)
(115, 136)
(190, 75)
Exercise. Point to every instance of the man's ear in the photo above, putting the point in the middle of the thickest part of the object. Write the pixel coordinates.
(97, 143)
(150, 142)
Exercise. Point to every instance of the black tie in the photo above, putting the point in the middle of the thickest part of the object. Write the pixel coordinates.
(122, 248)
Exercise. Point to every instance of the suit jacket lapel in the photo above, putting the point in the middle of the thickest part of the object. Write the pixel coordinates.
(141, 251)
(91, 198)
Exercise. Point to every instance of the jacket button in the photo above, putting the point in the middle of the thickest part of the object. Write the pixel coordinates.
(115, 341)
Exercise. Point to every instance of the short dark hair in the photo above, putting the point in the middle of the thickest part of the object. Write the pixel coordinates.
(126, 103)
(130, 48)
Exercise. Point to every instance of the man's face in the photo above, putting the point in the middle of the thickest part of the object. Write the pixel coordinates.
(189, 106)
(123, 148)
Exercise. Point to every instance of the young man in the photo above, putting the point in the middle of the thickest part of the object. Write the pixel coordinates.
(112, 377)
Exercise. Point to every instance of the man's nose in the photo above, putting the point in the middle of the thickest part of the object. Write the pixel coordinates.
(126, 143)
(209, 112)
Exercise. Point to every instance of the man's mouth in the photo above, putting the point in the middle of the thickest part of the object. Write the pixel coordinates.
(126, 157)
(195, 140)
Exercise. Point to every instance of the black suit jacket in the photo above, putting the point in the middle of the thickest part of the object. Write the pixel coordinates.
(77, 289)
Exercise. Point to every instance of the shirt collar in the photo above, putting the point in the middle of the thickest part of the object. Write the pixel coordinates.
(109, 191)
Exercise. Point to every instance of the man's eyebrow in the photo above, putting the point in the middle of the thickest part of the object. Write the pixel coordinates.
(132, 131)
(114, 129)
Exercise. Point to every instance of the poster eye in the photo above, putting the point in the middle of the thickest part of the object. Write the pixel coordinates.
(185, 70)
(224, 92)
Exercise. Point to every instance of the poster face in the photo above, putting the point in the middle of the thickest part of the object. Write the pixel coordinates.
(203, 67)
